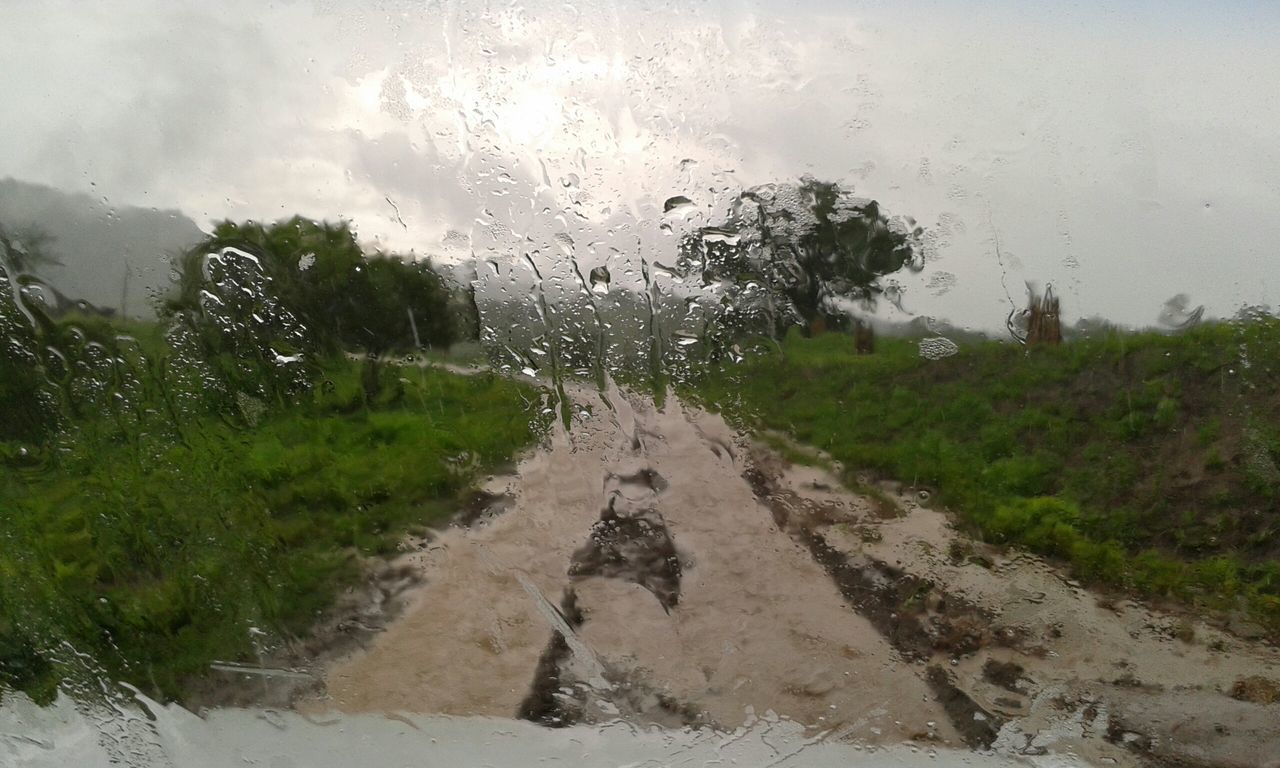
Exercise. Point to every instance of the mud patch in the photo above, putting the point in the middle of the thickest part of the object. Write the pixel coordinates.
(1256, 690)
(282, 673)
(977, 726)
(1006, 674)
(916, 618)
(550, 701)
(877, 592)
(561, 697)
(480, 506)
(642, 482)
(633, 546)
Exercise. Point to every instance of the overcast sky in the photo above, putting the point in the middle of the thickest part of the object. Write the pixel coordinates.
(1125, 155)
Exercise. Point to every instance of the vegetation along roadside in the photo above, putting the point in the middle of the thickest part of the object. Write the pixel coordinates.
(1147, 461)
(181, 490)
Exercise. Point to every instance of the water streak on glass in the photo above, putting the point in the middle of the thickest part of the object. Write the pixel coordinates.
(611, 383)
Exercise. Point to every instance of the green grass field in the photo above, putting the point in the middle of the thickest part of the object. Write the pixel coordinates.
(154, 554)
(1145, 461)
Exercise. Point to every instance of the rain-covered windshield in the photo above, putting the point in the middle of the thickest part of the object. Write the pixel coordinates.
(611, 383)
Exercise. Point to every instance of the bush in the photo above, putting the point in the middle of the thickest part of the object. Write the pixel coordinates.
(318, 273)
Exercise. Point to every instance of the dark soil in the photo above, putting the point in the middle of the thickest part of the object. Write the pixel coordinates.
(548, 702)
(1006, 674)
(635, 547)
(914, 615)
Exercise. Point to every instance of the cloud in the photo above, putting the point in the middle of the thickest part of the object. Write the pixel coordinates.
(1095, 145)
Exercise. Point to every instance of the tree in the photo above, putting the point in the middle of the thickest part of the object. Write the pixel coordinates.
(397, 305)
(257, 306)
(22, 250)
(789, 251)
(27, 399)
(236, 333)
(344, 298)
(306, 264)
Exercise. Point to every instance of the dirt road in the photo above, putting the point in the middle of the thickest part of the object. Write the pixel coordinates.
(654, 566)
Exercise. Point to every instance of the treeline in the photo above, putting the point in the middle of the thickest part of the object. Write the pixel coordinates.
(255, 311)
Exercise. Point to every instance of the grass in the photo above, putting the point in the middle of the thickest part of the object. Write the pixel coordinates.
(1145, 461)
(146, 556)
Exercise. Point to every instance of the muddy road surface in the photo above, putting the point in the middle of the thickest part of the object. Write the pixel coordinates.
(652, 566)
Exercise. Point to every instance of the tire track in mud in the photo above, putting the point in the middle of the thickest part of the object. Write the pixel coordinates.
(1063, 669)
(893, 601)
(634, 546)
(545, 703)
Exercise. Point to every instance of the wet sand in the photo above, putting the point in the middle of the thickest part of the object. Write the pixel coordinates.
(777, 600)
(757, 627)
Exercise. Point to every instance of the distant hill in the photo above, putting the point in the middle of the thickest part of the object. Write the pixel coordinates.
(98, 244)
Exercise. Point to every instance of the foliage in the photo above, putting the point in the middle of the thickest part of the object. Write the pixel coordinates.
(155, 556)
(241, 336)
(58, 369)
(789, 252)
(29, 406)
(166, 487)
(1145, 460)
(320, 275)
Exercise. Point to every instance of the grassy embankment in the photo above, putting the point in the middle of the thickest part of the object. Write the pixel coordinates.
(146, 556)
(1145, 461)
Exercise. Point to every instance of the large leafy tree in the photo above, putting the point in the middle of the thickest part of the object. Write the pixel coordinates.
(398, 305)
(789, 252)
(346, 299)
(257, 306)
